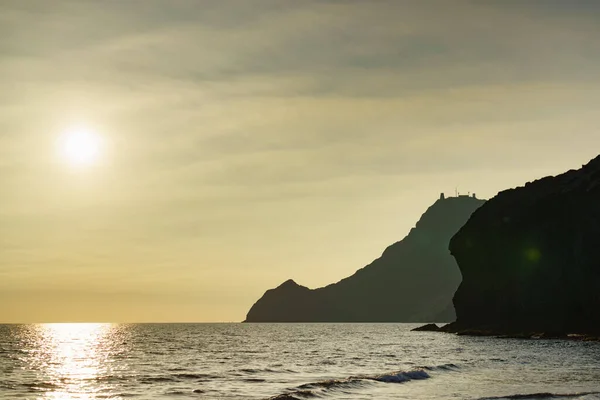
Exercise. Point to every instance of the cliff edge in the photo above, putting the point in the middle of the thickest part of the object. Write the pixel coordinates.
(413, 280)
(530, 259)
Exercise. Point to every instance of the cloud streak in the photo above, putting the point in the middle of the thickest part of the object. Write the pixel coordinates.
(251, 142)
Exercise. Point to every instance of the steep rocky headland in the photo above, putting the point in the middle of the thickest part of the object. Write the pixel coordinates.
(413, 281)
(530, 259)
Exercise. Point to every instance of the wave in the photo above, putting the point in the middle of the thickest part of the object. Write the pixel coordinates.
(317, 389)
(443, 367)
(254, 380)
(251, 371)
(195, 376)
(545, 396)
(149, 380)
(296, 395)
(401, 376)
(41, 386)
(175, 378)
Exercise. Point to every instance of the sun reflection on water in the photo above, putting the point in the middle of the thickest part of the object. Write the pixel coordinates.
(70, 359)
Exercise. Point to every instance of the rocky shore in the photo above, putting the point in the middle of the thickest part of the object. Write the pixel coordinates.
(451, 328)
(530, 261)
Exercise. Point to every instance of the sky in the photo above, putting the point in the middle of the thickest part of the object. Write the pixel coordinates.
(248, 142)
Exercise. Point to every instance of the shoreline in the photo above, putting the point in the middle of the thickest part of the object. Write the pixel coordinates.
(499, 334)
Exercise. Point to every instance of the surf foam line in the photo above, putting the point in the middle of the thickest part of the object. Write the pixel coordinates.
(318, 389)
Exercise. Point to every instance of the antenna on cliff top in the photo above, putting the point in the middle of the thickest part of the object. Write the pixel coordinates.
(456, 191)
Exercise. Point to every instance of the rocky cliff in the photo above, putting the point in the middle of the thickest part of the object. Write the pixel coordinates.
(530, 258)
(414, 280)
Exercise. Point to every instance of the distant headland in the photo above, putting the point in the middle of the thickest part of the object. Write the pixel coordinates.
(413, 280)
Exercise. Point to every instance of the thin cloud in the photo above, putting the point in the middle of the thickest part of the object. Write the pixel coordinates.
(243, 132)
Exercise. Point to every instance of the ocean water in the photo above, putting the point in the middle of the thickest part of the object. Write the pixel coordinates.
(286, 361)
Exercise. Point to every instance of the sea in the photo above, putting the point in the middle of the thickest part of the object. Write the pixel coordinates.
(286, 361)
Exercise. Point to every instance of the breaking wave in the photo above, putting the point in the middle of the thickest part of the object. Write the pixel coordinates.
(317, 389)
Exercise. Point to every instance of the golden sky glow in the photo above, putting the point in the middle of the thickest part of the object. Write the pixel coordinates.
(237, 144)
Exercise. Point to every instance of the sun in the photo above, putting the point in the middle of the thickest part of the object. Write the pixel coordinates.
(80, 147)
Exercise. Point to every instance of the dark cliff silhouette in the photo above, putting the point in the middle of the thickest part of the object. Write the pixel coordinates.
(414, 280)
(530, 259)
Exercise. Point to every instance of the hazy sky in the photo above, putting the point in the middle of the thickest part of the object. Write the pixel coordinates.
(248, 142)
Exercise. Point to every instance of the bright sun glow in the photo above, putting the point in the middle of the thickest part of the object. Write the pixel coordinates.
(80, 147)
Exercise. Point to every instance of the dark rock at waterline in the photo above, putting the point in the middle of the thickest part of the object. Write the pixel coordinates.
(427, 328)
(413, 281)
(513, 334)
(530, 259)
